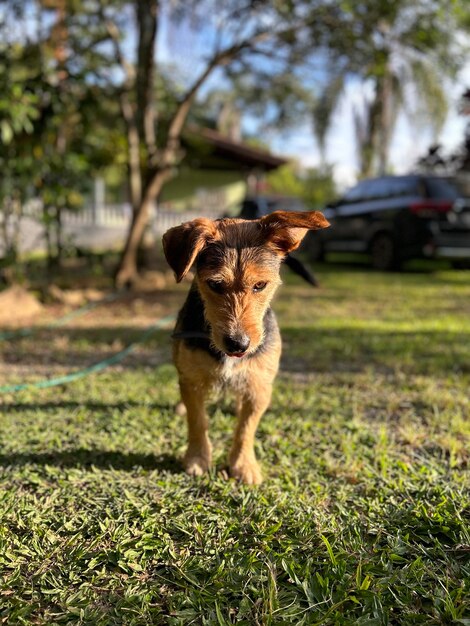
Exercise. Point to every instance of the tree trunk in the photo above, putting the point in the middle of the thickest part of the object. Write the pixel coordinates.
(127, 270)
(153, 180)
(371, 148)
(386, 95)
(147, 21)
(47, 234)
(59, 242)
(368, 147)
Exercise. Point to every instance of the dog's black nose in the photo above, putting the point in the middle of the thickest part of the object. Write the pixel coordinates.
(238, 344)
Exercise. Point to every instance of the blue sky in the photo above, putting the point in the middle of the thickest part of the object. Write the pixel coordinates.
(184, 48)
(409, 141)
(184, 45)
(408, 144)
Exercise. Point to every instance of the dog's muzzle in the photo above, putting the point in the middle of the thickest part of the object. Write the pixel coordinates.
(236, 345)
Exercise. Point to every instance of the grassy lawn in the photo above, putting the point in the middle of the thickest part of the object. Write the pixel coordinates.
(365, 512)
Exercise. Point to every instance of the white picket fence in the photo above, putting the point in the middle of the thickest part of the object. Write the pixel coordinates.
(163, 220)
(99, 228)
(116, 215)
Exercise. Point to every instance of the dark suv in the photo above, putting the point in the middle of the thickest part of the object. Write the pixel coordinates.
(394, 218)
(254, 207)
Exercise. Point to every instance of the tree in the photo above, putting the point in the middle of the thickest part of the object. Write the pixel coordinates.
(403, 51)
(53, 118)
(88, 46)
(457, 163)
(240, 32)
(18, 111)
(315, 187)
(103, 52)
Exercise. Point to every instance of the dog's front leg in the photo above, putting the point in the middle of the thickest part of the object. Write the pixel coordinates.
(198, 455)
(242, 459)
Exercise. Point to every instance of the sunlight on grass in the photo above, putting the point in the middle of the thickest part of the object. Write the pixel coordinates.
(364, 515)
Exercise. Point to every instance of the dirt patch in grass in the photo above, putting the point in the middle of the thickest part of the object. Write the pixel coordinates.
(18, 304)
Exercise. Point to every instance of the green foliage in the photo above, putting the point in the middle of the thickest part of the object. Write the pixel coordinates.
(275, 100)
(54, 121)
(405, 51)
(363, 518)
(325, 106)
(314, 186)
(17, 112)
(80, 77)
(19, 107)
(286, 181)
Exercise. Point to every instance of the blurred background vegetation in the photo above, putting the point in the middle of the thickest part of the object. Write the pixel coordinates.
(122, 117)
(101, 90)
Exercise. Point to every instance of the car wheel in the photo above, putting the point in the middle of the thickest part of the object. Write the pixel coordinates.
(384, 253)
(463, 264)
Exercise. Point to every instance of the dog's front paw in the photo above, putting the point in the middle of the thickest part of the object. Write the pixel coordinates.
(247, 471)
(197, 462)
(196, 465)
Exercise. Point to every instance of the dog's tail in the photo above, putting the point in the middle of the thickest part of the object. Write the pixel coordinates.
(299, 268)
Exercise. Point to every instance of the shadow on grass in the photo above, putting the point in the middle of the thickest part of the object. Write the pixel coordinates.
(411, 275)
(306, 348)
(94, 334)
(81, 347)
(353, 262)
(353, 350)
(102, 459)
(20, 407)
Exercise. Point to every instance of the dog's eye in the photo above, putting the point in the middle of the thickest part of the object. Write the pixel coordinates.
(259, 286)
(216, 286)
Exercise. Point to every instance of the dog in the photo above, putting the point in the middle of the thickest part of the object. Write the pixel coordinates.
(226, 334)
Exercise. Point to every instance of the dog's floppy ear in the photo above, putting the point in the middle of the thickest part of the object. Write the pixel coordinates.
(182, 244)
(286, 229)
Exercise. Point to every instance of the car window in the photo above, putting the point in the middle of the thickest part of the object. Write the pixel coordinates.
(378, 188)
(356, 193)
(392, 187)
(285, 204)
(442, 189)
(386, 187)
(406, 187)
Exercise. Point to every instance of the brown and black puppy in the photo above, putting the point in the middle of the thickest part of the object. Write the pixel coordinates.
(226, 333)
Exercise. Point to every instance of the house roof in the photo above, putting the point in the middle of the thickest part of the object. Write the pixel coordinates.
(209, 149)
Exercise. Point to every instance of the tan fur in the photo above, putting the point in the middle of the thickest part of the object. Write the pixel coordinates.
(238, 310)
(239, 256)
(199, 378)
